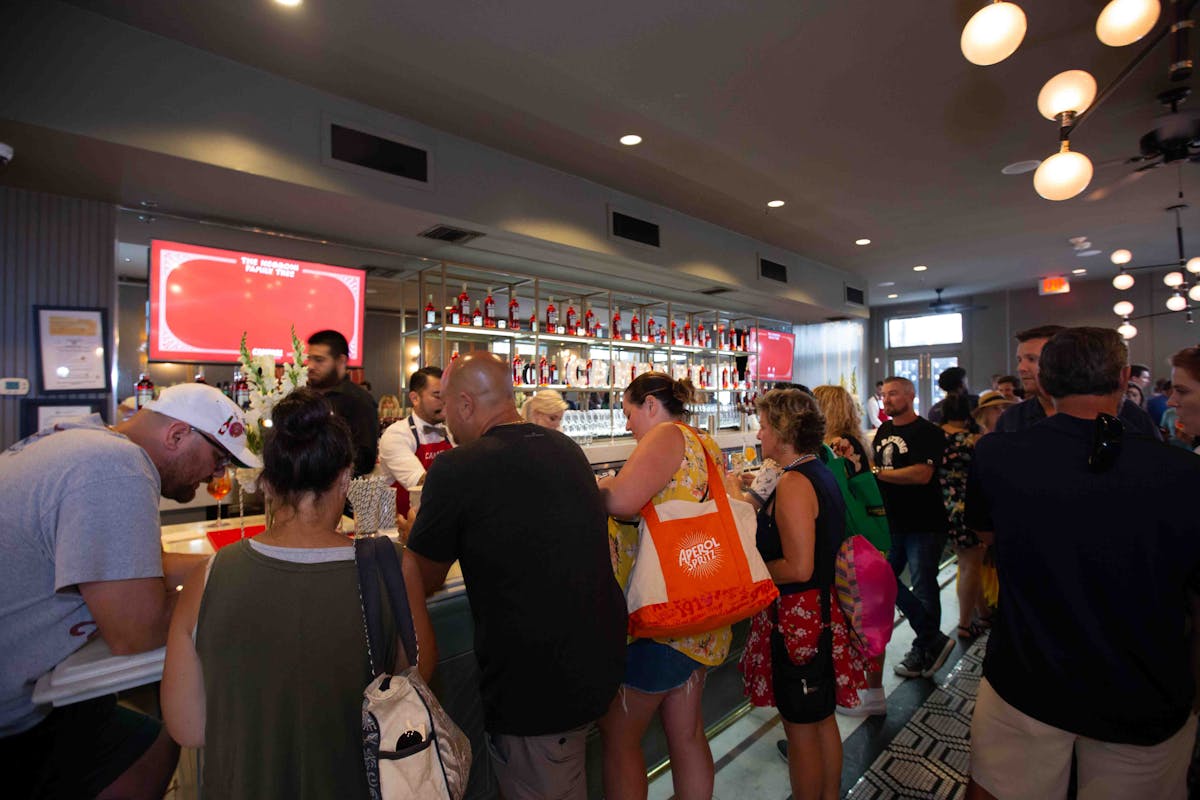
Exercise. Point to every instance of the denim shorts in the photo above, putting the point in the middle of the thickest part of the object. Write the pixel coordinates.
(654, 668)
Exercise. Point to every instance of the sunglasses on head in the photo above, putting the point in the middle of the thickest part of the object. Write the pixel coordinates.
(1106, 443)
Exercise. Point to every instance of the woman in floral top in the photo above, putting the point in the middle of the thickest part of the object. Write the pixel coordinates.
(663, 676)
(952, 475)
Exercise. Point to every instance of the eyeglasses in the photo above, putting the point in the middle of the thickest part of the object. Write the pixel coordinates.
(1106, 443)
(221, 456)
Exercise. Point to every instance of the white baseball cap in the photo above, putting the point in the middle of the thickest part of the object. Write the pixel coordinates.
(209, 411)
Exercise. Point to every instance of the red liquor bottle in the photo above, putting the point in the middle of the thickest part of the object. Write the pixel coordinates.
(517, 366)
(543, 372)
(464, 306)
(241, 390)
(533, 323)
(477, 316)
(674, 332)
(650, 328)
(701, 335)
(572, 319)
(589, 321)
(724, 377)
(143, 391)
(687, 333)
(633, 327)
(514, 313)
(551, 317)
(554, 371)
(616, 324)
(430, 312)
(489, 310)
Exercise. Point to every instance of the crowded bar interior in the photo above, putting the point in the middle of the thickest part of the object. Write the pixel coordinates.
(616, 400)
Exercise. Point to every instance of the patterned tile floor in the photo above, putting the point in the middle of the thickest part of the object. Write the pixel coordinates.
(929, 759)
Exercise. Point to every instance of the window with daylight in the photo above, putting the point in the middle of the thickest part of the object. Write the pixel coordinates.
(924, 331)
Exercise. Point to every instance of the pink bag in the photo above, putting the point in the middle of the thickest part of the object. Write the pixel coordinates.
(866, 593)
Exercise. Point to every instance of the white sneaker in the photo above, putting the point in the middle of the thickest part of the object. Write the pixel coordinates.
(873, 702)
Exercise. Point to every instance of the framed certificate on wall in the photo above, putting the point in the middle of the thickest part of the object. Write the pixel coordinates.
(73, 353)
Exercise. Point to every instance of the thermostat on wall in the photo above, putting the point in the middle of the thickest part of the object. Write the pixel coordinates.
(14, 386)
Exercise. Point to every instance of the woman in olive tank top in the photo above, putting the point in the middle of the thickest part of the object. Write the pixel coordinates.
(271, 684)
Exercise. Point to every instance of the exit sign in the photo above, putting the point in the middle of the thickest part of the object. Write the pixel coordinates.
(1057, 285)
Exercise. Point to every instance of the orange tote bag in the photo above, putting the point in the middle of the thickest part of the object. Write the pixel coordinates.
(697, 566)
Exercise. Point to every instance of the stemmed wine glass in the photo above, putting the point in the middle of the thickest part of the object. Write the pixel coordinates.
(219, 487)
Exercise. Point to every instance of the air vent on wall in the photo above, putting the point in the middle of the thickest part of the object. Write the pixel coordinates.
(634, 229)
(855, 297)
(772, 270)
(714, 291)
(444, 233)
(374, 152)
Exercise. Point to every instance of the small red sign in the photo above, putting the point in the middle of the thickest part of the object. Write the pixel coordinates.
(1055, 285)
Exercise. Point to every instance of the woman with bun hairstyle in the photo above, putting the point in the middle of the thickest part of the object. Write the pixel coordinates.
(267, 653)
(663, 676)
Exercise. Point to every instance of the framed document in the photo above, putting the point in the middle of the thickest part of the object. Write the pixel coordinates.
(38, 414)
(73, 351)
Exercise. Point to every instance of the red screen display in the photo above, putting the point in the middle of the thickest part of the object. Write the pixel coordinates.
(202, 299)
(772, 354)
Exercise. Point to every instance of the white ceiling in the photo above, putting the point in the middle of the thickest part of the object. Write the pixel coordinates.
(863, 116)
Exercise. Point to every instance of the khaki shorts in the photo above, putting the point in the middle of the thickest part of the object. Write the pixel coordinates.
(550, 767)
(1015, 756)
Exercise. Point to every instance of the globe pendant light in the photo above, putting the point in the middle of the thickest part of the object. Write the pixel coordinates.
(1127, 330)
(1121, 257)
(1123, 308)
(1123, 22)
(1063, 175)
(1176, 302)
(1122, 281)
(1069, 92)
(1173, 279)
(993, 33)
(1193, 265)
(1194, 292)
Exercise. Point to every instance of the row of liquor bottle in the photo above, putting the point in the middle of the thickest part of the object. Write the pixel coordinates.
(583, 373)
(237, 390)
(572, 324)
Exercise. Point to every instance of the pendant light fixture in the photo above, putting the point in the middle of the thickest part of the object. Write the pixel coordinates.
(1123, 22)
(1194, 292)
(993, 34)
(1127, 330)
(1176, 302)
(1123, 309)
(1173, 278)
(1063, 98)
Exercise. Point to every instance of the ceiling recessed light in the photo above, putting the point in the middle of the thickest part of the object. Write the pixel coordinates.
(888, 283)
(775, 203)
(920, 268)
(861, 242)
(127, 259)
(631, 139)
(1080, 271)
(893, 296)
(1086, 253)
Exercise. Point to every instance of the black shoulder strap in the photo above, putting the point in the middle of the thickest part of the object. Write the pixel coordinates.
(368, 590)
(388, 562)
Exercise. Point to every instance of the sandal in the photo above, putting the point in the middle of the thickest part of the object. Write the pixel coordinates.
(976, 629)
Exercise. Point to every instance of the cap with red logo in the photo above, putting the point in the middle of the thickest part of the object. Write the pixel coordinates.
(206, 409)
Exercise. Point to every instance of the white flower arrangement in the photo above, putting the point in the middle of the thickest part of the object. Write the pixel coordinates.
(265, 392)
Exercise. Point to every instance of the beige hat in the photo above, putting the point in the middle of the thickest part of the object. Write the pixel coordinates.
(991, 399)
(207, 410)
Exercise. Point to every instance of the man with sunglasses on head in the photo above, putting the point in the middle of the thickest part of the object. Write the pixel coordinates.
(1089, 653)
(82, 556)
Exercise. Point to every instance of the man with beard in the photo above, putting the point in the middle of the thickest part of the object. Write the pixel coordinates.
(328, 352)
(408, 448)
(908, 452)
(83, 555)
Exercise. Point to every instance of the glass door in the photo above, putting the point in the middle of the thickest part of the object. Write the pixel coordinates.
(923, 369)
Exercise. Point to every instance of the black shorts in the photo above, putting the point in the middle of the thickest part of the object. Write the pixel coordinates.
(805, 693)
(76, 751)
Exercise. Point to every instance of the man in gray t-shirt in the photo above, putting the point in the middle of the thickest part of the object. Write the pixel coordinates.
(82, 556)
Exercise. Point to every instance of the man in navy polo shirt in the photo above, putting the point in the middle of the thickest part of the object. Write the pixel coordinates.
(1089, 653)
(1037, 405)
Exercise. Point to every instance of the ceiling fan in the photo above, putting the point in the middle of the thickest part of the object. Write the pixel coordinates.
(1174, 140)
(940, 306)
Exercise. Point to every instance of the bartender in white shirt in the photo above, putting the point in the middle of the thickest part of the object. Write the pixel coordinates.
(408, 447)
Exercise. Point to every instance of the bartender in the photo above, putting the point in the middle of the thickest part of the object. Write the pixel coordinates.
(408, 447)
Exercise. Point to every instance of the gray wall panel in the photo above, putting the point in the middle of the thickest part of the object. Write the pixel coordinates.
(53, 251)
